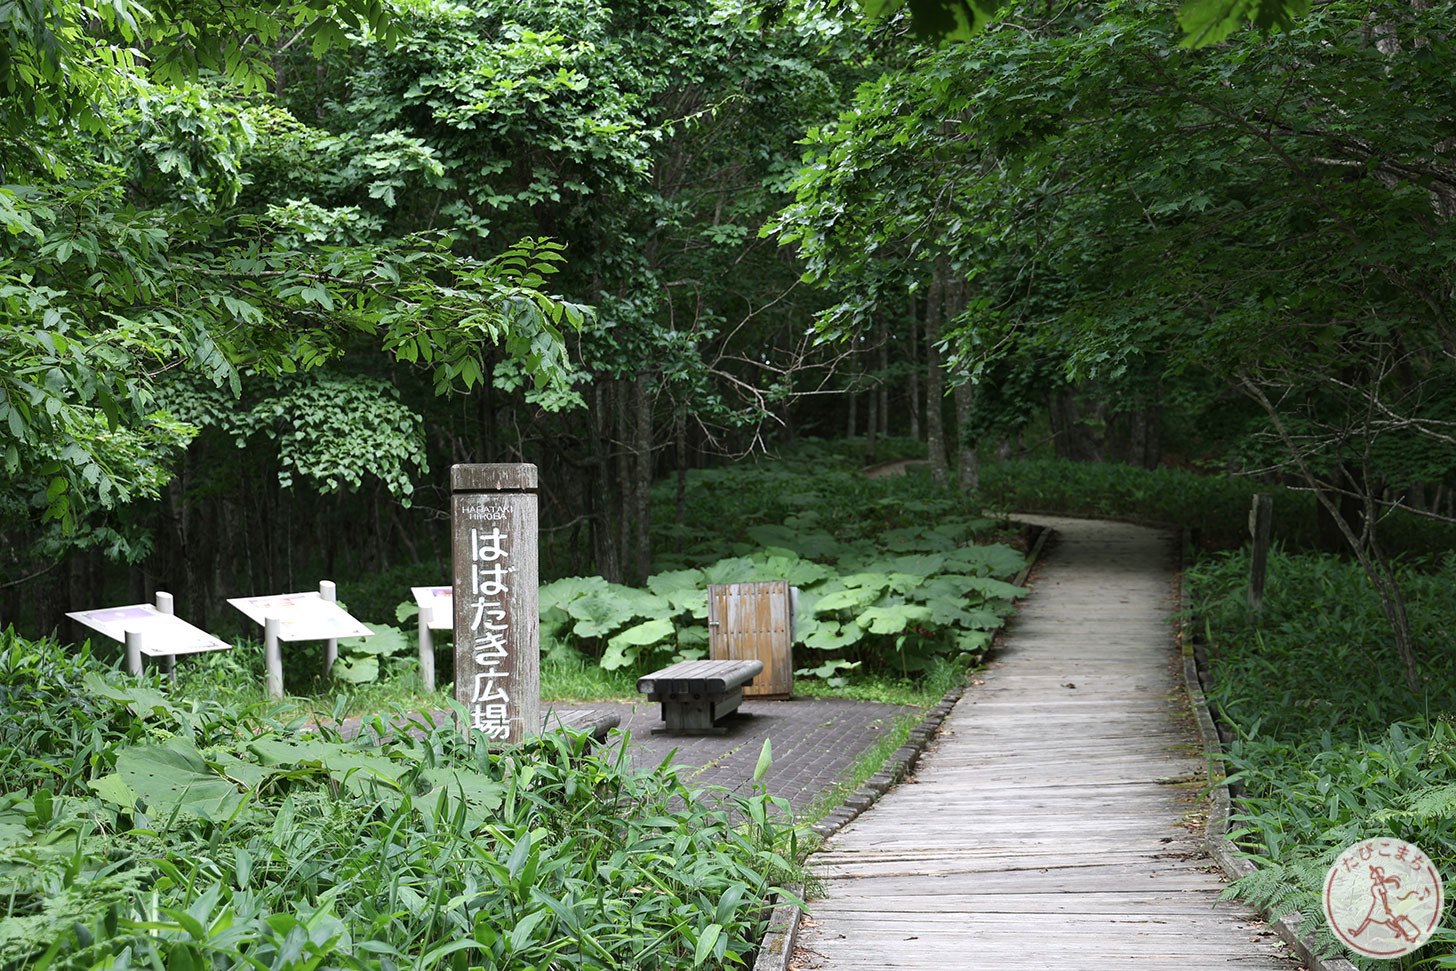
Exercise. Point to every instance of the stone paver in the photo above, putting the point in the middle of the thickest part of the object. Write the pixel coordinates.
(815, 742)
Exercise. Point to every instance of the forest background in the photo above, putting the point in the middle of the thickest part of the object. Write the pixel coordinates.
(267, 271)
(266, 274)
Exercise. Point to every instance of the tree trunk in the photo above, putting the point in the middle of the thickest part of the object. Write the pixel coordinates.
(935, 380)
(622, 438)
(680, 437)
(606, 551)
(1071, 437)
(882, 380)
(872, 419)
(912, 389)
(968, 461)
(642, 481)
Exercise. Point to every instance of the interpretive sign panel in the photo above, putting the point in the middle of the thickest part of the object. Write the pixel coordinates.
(162, 634)
(302, 616)
(497, 627)
(437, 606)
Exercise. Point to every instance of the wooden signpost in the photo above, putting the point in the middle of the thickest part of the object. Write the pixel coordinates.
(497, 624)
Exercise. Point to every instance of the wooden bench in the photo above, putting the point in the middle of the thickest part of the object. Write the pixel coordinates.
(697, 695)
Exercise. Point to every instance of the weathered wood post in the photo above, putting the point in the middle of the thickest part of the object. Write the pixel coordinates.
(1261, 517)
(329, 593)
(497, 624)
(165, 606)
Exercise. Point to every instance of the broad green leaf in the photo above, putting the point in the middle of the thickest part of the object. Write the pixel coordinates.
(386, 642)
(830, 636)
(481, 796)
(973, 641)
(709, 938)
(676, 581)
(356, 670)
(893, 619)
(995, 560)
(829, 669)
(646, 633)
(765, 760)
(114, 790)
(599, 612)
(786, 565)
(738, 569)
(145, 702)
(854, 598)
(174, 777)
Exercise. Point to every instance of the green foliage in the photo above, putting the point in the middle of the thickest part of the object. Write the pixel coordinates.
(194, 835)
(1119, 209)
(331, 431)
(361, 659)
(133, 251)
(1204, 22)
(1326, 753)
(1215, 505)
(1319, 615)
(862, 611)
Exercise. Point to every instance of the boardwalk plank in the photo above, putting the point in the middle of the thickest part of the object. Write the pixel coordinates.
(1049, 825)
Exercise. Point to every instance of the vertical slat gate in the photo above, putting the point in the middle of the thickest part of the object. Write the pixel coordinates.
(754, 621)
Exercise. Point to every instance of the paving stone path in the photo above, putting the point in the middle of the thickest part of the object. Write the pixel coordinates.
(1053, 823)
(816, 741)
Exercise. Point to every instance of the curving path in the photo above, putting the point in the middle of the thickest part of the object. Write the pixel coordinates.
(1053, 824)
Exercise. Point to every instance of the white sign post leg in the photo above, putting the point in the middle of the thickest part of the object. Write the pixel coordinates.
(331, 646)
(134, 652)
(164, 605)
(427, 651)
(273, 657)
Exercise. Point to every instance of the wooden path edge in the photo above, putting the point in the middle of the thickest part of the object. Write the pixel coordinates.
(777, 946)
(1215, 834)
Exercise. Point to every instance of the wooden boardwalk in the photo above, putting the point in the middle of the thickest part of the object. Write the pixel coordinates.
(1055, 822)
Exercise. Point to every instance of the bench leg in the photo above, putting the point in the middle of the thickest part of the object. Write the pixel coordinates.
(698, 715)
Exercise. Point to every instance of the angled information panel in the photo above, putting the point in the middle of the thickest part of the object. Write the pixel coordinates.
(302, 616)
(162, 634)
(437, 606)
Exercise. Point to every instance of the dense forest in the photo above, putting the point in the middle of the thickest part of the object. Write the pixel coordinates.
(266, 274)
(267, 271)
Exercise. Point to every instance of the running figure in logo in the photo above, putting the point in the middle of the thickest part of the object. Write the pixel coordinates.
(1383, 897)
(1380, 913)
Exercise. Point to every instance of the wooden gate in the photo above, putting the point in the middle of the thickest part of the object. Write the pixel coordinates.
(755, 621)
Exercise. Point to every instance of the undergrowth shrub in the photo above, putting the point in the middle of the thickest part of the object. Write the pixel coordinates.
(894, 574)
(200, 836)
(1216, 506)
(1330, 746)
